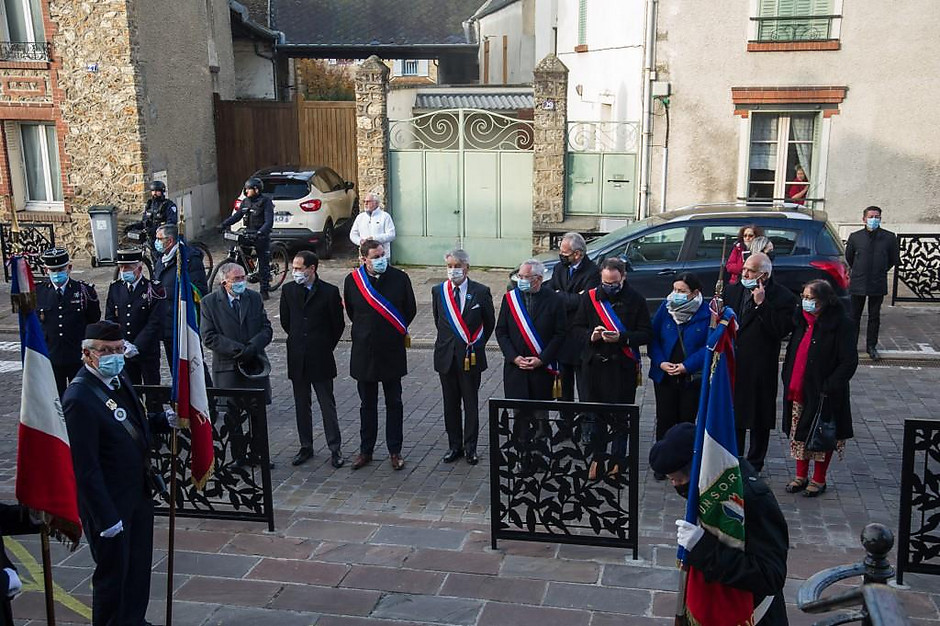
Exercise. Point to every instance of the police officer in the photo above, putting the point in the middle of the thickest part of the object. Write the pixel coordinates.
(257, 214)
(158, 211)
(65, 308)
(137, 304)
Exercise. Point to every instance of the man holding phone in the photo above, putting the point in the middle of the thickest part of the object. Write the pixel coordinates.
(765, 317)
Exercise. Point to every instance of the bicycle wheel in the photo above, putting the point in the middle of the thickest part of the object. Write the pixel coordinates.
(215, 272)
(206, 255)
(279, 266)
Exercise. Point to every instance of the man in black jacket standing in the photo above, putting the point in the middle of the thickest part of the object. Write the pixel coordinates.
(765, 317)
(573, 277)
(381, 304)
(312, 317)
(464, 317)
(871, 252)
(257, 214)
(165, 271)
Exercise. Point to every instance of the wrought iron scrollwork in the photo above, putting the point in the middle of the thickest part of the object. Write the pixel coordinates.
(31, 241)
(25, 51)
(461, 129)
(919, 524)
(548, 486)
(918, 268)
(235, 490)
(603, 136)
(794, 27)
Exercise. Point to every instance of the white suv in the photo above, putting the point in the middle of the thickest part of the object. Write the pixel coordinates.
(310, 203)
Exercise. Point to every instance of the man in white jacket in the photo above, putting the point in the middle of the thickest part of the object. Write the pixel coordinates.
(373, 223)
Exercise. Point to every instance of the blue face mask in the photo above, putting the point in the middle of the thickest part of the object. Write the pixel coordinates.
(524, 284)
(379, 265)
(110, 365)
(239, 287)
(809, 305)
(58, 278)
(128, 277)
(158, 245)
(873, 223)
(678, 297)
(749, 283)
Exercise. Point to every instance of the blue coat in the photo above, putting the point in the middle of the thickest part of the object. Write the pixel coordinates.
(666, 334)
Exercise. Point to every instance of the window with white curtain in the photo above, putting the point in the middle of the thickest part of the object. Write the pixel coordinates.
(780, 143)
(22, 21)
(41, 166)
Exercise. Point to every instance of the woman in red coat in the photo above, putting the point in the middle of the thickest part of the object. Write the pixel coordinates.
(740, 251)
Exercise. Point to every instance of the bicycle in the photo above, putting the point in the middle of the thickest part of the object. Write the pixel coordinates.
(137, 235)
(243, 253)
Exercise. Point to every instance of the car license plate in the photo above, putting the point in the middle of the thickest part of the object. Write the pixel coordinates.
(133, 235)
(281, 218)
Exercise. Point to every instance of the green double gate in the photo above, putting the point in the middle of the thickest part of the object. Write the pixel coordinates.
(601, 169)
(461, 177)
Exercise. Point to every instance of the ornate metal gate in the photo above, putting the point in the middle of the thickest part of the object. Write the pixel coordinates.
(32, 241)
(918, 268)
(919, 523)
(461, 177)
(601, 168)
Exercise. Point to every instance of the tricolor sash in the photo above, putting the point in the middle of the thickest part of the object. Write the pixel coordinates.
(457, 323)
(605, 311)
(378, 302)
(526, 327)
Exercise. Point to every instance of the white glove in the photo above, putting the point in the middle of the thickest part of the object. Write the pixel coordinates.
(130, 350)
(687, 535)
(172, 418)
(15, 583)
(114, 531)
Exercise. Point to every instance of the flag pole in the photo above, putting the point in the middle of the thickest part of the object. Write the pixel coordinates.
(47, 574)
(680, 618)
(171, 539)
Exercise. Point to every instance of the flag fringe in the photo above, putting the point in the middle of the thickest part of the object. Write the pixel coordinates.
(62, 530)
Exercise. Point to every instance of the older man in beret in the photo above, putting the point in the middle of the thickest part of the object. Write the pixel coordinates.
(111, 436)
(761, 568)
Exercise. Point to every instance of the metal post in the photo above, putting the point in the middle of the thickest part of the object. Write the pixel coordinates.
(172, 536)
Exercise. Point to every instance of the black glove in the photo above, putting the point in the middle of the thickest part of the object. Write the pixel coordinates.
(222, 229)
(248, 353)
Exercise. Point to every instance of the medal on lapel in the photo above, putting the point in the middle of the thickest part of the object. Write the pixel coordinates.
(119, 413)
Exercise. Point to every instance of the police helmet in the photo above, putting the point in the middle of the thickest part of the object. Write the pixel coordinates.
(158, 185)
(254, 183)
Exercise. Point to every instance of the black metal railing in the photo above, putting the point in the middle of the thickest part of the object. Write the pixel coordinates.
(552, 486)
(31, 241)
(918, 268)
(25, 51)
(919, 521)
(871, 603)
(794, 27)
(236, 490)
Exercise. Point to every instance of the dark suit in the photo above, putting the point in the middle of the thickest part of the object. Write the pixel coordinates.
(14, 520)
(230, 335)
(64, 318)
(313, 320)
(459, 384)
(871, 255)
(378, 355)
(111, 469)
(165, 274)
(570, 284)
(140, 312)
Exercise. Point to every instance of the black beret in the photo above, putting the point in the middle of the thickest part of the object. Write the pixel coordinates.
(130, 255)
(674, 451)
(104, 331)
(55, 257)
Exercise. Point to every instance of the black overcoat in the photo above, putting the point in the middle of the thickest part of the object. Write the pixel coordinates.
(165, 274)
(547, 313)
(757, 351)
(378, 349)
(314, 322)
(830, 365)
(871, 254)
(140, 313)
(571, 290)
(478, 311)
(65, 317)
(14, 520)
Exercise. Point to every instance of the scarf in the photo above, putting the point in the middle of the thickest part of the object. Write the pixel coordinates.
(682, 313)
(795, 389)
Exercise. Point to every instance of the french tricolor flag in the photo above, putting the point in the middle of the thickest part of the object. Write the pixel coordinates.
(45, 479)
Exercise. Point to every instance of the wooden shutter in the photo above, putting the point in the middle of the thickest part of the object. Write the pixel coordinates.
(582, 22)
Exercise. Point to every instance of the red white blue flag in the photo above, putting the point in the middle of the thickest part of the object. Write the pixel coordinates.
(189, 379)
(45, 478)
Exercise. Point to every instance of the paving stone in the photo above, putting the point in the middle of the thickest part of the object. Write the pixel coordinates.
(230, 616)
(31, 605)
(519, 590)
(192, 540)
(549, 569)
(269, 545)
(594, 598)
(593, 553)
(326, 600)
(420, 537)
(201, 564)
(435, 610)
(183, 612)
(390, 579)
(304, 572)
(343, 620)
(227, 591)
(361, 553)
(641, 577)
(450, 561)
(499, 614)
(610, 619)
(330, 531)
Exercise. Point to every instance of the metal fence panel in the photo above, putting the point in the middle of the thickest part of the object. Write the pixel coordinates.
(918, 268)
(919, 523)
(32, 241)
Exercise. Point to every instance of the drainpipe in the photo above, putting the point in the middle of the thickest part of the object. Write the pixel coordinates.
(646, 134)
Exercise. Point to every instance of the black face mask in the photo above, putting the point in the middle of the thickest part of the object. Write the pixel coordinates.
(565, 260)
(610, 290)
(682, 490)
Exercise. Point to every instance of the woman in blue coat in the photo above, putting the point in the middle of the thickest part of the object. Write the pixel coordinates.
(677, 353)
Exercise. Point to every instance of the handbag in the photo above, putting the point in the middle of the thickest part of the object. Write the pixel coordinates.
(822, 432)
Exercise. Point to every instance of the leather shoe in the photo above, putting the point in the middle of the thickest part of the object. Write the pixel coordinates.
(873, 353)
(452, 455)
(302, 456)
(472, 458)
(397, 462)
(337, 461)
(361, 461)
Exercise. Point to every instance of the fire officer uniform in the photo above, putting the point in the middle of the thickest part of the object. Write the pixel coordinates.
(139, 308)
(257, 215)
(64, 311)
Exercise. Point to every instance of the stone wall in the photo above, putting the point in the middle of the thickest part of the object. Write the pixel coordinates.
(551, 116)
(372, 126)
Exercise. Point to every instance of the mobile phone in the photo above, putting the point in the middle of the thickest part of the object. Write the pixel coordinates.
(609, 333)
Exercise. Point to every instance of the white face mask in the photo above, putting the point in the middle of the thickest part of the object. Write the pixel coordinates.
(299, 277)
(455, 275)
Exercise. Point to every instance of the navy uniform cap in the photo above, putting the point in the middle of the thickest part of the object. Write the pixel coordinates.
(55, 257)
(130, 255)
(104, 331)
(674, 451)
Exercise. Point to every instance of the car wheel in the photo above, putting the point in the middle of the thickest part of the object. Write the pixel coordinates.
(325, 249)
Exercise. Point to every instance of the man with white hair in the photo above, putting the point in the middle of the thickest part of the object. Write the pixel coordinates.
(373, 223)
(765, 317)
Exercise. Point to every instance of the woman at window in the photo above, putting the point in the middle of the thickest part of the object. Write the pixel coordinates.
(677, 354)
(821, 360)
(796, 192)
(741, 250)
